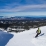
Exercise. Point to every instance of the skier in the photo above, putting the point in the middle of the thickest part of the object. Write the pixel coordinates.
(38, 32)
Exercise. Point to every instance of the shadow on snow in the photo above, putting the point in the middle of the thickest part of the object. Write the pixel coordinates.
(4, 38)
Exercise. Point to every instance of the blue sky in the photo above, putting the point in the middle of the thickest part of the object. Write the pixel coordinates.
(22, 7)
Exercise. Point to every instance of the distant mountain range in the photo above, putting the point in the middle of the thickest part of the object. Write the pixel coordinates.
(23, 18)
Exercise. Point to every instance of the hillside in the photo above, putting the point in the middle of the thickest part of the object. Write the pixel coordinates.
(26, 38)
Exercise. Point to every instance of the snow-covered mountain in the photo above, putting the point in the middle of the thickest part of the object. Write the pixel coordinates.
(25, 38)
(24, 18)
(4, 17)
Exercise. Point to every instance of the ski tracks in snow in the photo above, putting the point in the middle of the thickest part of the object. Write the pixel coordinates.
(39, 41)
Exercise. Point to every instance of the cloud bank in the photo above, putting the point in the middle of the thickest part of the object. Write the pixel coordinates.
(22, 8)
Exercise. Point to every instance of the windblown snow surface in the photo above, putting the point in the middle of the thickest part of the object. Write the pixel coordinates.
(27, 38)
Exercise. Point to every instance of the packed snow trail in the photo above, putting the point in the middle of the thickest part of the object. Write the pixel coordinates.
(26, 38)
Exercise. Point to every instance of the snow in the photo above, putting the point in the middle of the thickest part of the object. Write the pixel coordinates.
(4, 38)
(26, 38)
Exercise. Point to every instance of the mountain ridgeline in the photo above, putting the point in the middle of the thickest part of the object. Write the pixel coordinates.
(25, 22)
(31, 18)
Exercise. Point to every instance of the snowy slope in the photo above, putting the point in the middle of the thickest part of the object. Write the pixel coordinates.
(4, 38)
(26, 38)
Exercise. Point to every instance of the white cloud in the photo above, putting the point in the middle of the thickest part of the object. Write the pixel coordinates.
(24, 14)
(23, 8)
